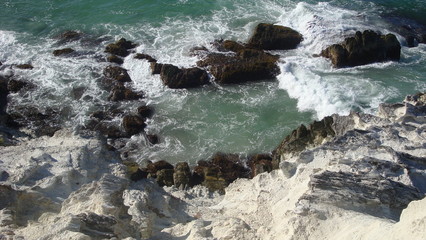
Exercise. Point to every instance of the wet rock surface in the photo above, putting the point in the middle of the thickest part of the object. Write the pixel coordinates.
(274, 37)
(120, 48)
(364, 48)
(174, 77)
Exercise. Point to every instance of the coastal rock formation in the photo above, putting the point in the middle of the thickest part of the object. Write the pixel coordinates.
(242, 66)
(120, 48)
(274, 37)
(364, 48)
(116, 74)
(174, 77)
(357, 176)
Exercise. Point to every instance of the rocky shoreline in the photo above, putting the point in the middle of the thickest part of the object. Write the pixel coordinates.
(356, 168)
(364, 169)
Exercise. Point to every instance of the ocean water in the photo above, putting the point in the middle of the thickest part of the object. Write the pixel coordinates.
(194, 124)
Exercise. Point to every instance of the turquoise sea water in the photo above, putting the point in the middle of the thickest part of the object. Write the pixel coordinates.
(193, 124)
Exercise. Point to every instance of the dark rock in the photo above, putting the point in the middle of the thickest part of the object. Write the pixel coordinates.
(3, 94)
(260, 163)
(121, 93)
(230, 166)
(97, 226)
(145, 111)
(107, 129)
(45, 122)
(138, 175)
(152, 138)
(221, 170)
(69, 36)
(7, 196)
(182, 175)
(156, 67)
(120, 48)
(228, 45)
(165, 177)
(214, 180)
(175, 77)
(364, 48)
(413, 32)
(64, 51)
(15, 85)
(115, 59)
(153, 167)
(303, 137)
(133, 124)
(145, 57)
(25, 66)
(117, 74)
(245, 65)
(274, 37)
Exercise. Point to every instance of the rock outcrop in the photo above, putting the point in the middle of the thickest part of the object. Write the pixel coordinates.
(242, 66)
(274, 37)
(120, 48)
(356, 176)
(364, 48)
(174, 77)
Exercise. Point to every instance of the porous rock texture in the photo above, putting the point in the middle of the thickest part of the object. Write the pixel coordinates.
(364, 179)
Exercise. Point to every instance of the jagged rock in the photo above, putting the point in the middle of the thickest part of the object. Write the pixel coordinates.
(364, 48)
(274, 37)
(156, 68)
(153, 167)
(165, 177)
(25, 66)
(121, 93)
(120, 48)
(145, 57)
(182, 175)
(175, 77)
(259, 163)
(145, 111)
(133, 124)
(303, 137)
(118, 74)
(64, 51)
(115, 59)
(138, 175)
(221, 170)
(245, 65)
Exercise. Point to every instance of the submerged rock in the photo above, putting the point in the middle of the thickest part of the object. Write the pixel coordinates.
(145, 111)
(274, 37)
(364, 48)
(15, 85)
(64, 51)
(174, 77)
(25, 66)
(69, 36)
